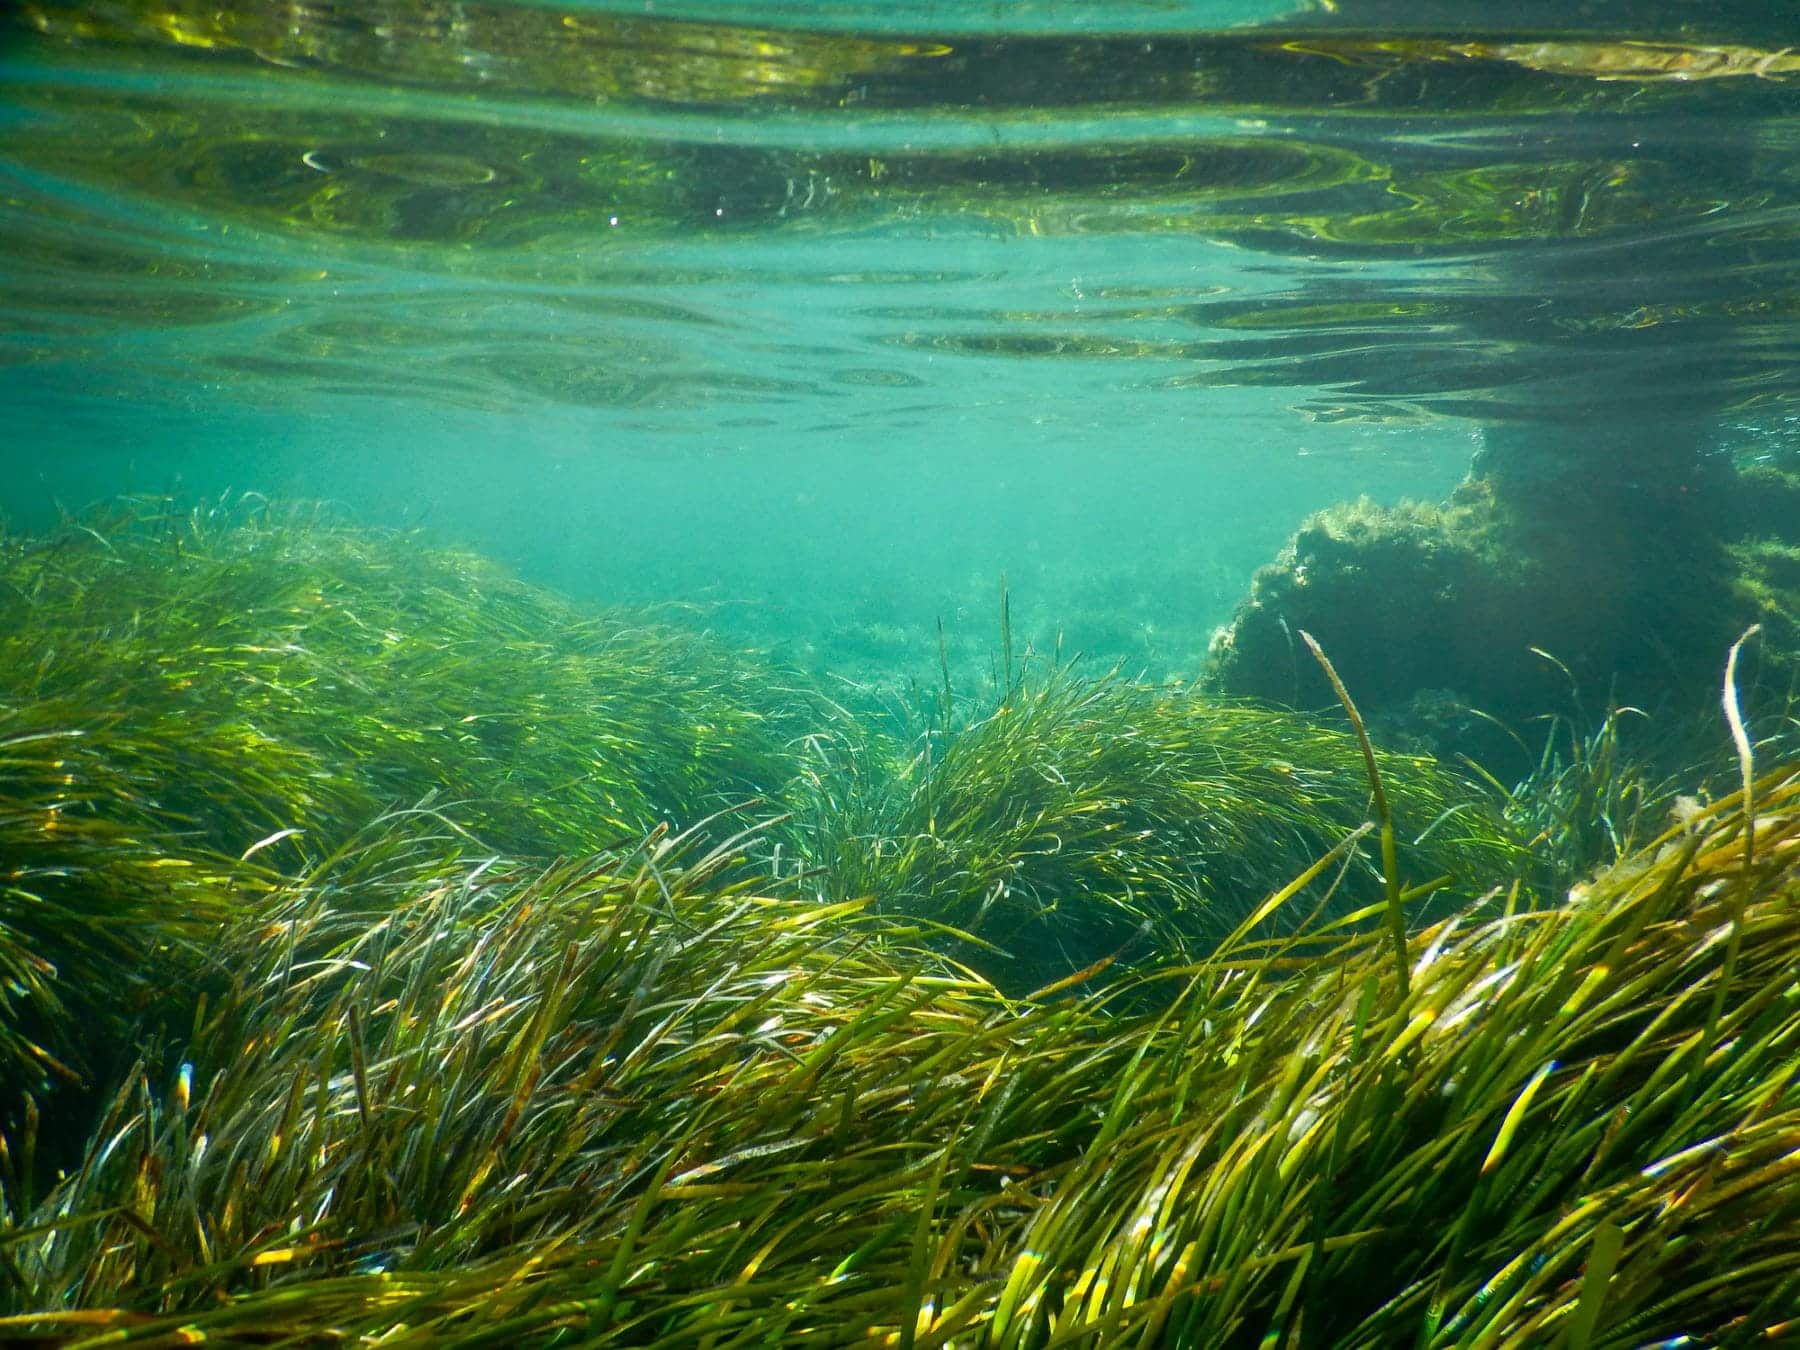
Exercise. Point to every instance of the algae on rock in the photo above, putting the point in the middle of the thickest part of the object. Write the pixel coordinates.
(1505, 595)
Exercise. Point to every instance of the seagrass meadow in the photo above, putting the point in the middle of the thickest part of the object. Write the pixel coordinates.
(395, 953)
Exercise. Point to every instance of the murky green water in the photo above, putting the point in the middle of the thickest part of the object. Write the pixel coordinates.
(825, 316)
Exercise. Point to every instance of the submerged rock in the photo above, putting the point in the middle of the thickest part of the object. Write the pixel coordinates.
(1516, 596)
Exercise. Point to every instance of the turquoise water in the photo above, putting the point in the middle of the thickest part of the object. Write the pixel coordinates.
(1399, 952)
(825, 317)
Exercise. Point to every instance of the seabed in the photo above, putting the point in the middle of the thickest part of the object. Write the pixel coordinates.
(394, 953)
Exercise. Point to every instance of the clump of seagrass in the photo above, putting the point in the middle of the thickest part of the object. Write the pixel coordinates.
(1589, 800)
(195, 704)
(615, 1101)
(487, 1085)
(1082, 818)
(1579, 1123)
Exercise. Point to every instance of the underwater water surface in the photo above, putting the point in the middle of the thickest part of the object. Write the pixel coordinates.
(826, 319)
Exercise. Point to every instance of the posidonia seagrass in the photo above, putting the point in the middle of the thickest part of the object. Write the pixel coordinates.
(649, 1093)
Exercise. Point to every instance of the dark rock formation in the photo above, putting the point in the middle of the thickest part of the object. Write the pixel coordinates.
(1520, 596)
